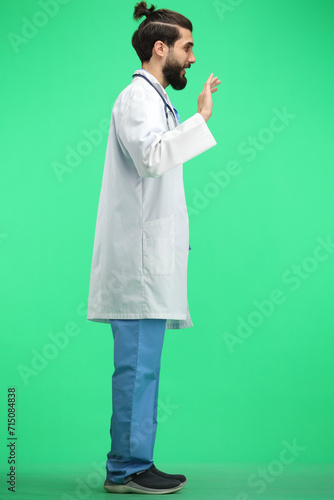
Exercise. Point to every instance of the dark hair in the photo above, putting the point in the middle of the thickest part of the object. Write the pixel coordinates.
(159, 24)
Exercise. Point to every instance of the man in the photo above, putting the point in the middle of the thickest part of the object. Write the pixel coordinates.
(138, 277)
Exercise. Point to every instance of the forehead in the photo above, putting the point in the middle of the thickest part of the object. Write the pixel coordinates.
(187, 37)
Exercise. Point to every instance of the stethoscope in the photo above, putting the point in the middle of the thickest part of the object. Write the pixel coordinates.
(167, 106)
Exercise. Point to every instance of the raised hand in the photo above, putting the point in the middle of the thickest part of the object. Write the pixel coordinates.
(204, 100)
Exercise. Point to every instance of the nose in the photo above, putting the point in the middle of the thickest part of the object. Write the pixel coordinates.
(192, 59)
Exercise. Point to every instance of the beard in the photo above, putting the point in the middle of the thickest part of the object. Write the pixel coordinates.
(173, 73)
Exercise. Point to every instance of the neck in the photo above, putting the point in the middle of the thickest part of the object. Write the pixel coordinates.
(156, 72)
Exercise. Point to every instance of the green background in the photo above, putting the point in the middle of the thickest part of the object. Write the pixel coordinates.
(224, 397)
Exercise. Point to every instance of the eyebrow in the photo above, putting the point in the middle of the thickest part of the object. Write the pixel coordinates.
(188, 43)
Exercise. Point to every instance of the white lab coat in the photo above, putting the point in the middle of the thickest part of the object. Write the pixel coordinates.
(140, 255)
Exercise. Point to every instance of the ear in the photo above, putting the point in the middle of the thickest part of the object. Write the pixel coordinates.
(160, 48)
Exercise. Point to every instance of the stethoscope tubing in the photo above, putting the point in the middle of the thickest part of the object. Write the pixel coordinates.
(164, 101)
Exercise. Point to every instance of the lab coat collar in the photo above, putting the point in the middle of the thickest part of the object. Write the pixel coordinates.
(159, 89)
(153, 80)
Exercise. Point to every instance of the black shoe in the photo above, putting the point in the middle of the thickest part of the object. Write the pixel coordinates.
(178, 477)
(144, 482)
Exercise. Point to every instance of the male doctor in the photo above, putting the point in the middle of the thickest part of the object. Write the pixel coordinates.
(138, 279)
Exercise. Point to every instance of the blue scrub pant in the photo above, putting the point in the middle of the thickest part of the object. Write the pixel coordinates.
(135, 384)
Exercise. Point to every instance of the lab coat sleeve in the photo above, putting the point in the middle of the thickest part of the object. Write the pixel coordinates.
(142, 132)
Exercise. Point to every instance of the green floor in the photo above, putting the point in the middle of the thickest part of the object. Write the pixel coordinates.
(206, 481)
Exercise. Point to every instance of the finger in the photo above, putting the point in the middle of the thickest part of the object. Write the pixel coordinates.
(215, 84)
(209, 79)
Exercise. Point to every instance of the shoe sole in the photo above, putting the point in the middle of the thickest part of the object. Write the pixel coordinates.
(131, 487)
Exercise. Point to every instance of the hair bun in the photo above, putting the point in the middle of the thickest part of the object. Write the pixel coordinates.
(142, 10)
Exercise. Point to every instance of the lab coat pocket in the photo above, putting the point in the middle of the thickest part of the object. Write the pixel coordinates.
(159, 246)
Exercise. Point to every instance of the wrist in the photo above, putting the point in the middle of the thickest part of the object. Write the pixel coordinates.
(206, 118)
